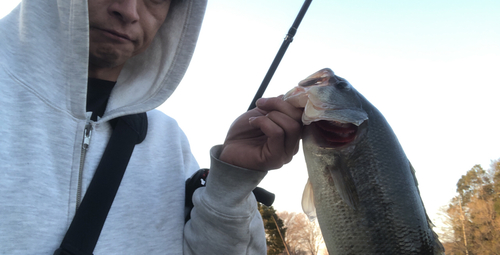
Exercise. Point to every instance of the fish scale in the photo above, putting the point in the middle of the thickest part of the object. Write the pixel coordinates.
(364, 192)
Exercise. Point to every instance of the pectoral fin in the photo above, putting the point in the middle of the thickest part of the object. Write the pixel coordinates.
(344, 184)
(308, 201)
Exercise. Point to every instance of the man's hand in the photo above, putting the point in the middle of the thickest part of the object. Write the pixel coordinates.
(265, 137)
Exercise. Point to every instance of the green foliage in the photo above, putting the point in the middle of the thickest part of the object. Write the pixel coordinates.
(275, 244)
(470, 184)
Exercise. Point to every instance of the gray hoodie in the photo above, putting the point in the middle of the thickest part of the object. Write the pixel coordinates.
(43, 166)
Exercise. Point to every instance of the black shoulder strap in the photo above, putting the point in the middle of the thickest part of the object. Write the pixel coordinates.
(86, 226)
(199, 179)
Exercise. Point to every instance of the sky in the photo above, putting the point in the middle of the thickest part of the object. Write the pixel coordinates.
(430, 67)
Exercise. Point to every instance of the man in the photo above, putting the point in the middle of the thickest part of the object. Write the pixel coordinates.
(69, 67)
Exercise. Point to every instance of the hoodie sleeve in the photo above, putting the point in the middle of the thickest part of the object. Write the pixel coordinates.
(225, 218)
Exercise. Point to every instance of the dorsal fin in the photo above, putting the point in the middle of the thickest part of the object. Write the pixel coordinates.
(438, 247)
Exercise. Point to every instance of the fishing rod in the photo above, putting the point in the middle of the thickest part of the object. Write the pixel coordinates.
(284, 46)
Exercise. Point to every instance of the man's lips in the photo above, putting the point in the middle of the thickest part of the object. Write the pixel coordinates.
(113, 33)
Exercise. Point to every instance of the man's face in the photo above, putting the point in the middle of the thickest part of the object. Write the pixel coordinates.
(121, 29)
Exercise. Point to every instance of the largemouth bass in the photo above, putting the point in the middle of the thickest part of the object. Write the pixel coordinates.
(361, 186)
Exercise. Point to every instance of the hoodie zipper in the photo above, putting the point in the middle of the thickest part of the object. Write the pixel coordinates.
(87, 133)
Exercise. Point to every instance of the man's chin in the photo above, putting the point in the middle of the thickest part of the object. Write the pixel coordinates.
(107, 59)
(106, 65)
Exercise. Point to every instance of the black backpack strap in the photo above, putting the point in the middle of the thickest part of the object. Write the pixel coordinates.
(89, 219)
(263, 196)
(199, 179)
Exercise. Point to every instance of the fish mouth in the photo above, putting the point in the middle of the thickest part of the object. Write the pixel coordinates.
(335, 134)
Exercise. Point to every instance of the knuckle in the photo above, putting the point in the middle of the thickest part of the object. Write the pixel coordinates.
(273, 115)
(276, 165)
(275, 103)
(278, 132)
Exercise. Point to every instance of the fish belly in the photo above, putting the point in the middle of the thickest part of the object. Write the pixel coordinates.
(389, 217)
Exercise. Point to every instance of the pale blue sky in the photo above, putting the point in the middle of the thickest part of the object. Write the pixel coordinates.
(431, 67)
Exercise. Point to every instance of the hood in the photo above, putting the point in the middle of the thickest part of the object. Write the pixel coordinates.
(50, 41)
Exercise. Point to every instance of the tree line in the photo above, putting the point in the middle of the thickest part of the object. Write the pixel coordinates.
(471, 222)
(291, 233)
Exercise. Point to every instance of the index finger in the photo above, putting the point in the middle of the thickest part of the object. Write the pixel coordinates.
(278, 104)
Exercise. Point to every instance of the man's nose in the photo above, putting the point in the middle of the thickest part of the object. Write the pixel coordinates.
(125, 10)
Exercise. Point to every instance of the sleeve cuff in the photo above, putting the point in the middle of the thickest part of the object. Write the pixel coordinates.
(229, 186)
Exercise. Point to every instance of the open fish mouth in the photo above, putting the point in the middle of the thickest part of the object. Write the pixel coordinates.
(334, 134)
